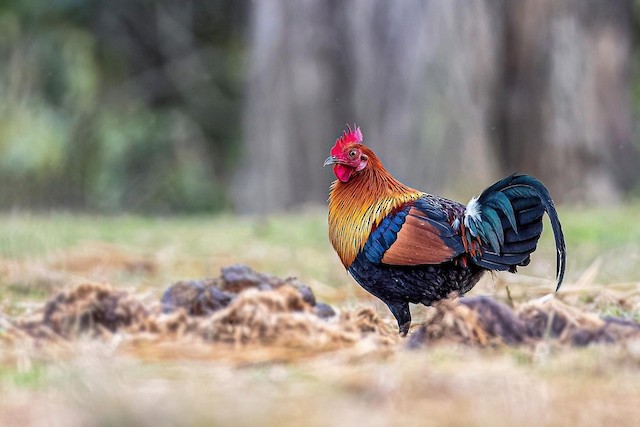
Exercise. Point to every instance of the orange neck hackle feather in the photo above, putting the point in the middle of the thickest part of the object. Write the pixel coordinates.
(357, 206)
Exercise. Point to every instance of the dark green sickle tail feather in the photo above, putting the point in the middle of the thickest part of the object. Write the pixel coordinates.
(507, 221)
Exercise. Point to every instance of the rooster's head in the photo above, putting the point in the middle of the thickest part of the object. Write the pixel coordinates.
(348, 154)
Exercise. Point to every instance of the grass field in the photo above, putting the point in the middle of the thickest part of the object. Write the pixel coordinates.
(95, 382)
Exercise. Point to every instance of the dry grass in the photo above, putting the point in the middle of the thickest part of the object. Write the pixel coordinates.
(253, 363)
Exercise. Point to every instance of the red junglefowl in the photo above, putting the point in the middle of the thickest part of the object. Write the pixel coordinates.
(407, 246)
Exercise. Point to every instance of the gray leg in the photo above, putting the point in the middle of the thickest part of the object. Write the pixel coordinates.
(402, 314)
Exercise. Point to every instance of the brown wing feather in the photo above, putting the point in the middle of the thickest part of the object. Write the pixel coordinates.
(417, 243)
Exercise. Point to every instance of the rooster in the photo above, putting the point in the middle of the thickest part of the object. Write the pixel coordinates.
(407, 246)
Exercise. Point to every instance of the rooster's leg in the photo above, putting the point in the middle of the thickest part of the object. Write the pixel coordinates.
(402, 314)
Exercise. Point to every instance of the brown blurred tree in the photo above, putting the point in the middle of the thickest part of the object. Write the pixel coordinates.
(451, 94)
(292, 104)
(567, 114)
(417, 76)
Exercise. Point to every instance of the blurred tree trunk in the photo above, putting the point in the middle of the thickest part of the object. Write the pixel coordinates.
(426, 76)
(418, 77)
(450, 94)
(292, 105)
(568, 115)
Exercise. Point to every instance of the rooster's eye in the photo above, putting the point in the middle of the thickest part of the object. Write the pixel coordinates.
(353, 153)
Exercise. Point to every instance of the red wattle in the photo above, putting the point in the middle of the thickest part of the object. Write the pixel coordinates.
(342, 172)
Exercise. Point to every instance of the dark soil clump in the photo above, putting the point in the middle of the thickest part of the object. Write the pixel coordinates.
(206, 296)
(483, 321)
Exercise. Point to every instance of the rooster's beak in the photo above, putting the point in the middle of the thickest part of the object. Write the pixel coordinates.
(330, 161)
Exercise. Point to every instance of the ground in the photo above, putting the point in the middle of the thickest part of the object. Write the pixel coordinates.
(110, 381)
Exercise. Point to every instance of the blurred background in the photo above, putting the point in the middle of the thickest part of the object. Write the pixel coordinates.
(187, 106)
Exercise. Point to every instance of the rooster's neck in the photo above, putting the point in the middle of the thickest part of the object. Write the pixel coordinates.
(357, 206)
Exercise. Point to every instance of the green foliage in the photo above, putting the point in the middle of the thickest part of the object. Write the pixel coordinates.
(95, 117)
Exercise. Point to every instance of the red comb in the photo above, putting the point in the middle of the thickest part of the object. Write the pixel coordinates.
(349, 136)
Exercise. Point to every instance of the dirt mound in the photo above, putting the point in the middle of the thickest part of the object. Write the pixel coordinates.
(484, 321)
(279, 317)
(205, 296)
(245, 309)
(240, 308)
(88, 309)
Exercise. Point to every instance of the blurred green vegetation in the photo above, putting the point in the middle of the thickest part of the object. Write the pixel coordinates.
(297, 244)
(110, 106)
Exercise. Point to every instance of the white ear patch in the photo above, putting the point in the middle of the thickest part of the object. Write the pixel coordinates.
(363, 162)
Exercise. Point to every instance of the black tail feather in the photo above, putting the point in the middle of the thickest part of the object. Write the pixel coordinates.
(521, 247)
(529, 200)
